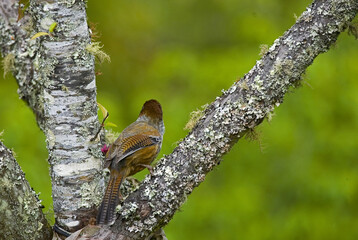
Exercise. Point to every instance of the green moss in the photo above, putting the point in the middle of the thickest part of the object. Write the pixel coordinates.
(95, 49)
(270, 115)
(111, 136)
(8, 63)
(254, 135)
(243, 84)
(194, 117)
(50, 138)
(64, 88)
(353, 29)
(263, 49)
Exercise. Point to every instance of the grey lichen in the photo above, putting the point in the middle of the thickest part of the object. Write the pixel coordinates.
(95, 150)
(90, 193)
(69, 3)
(149, 193)
(30, 208)
(82, 57)
(130, 210)
(45, 23)
(44, 69)
(19, 204)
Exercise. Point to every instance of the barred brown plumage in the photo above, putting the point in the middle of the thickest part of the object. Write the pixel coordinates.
(135, 149)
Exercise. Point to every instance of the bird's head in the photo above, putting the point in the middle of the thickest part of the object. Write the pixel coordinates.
(152, 113)
(152, 109)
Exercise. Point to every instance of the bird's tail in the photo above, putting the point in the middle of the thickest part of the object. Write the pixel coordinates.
(107, 210)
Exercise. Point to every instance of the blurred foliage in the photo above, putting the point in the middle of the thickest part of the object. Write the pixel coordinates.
(300, 182)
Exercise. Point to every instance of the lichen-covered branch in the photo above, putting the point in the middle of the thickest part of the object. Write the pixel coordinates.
(55, 74)
(228, 118)
(19, 204)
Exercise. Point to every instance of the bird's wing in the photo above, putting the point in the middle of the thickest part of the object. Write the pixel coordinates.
(127, 146)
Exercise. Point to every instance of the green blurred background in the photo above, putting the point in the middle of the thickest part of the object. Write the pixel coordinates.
(299, 181)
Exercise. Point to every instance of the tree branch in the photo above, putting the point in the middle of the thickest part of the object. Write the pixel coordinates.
(19, 203)
(228, 118)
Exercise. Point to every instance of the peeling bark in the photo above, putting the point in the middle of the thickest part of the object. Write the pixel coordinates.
(19, 204)
(56, 78)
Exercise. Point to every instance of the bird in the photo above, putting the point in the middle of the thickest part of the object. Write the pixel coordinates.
(135, 149)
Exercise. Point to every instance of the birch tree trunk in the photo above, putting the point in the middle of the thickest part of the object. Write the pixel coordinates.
(56, 78)
(55, 74)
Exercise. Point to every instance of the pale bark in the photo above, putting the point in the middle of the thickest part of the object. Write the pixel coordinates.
(56, 78)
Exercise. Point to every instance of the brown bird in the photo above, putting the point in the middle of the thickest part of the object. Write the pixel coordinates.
(135, 149)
